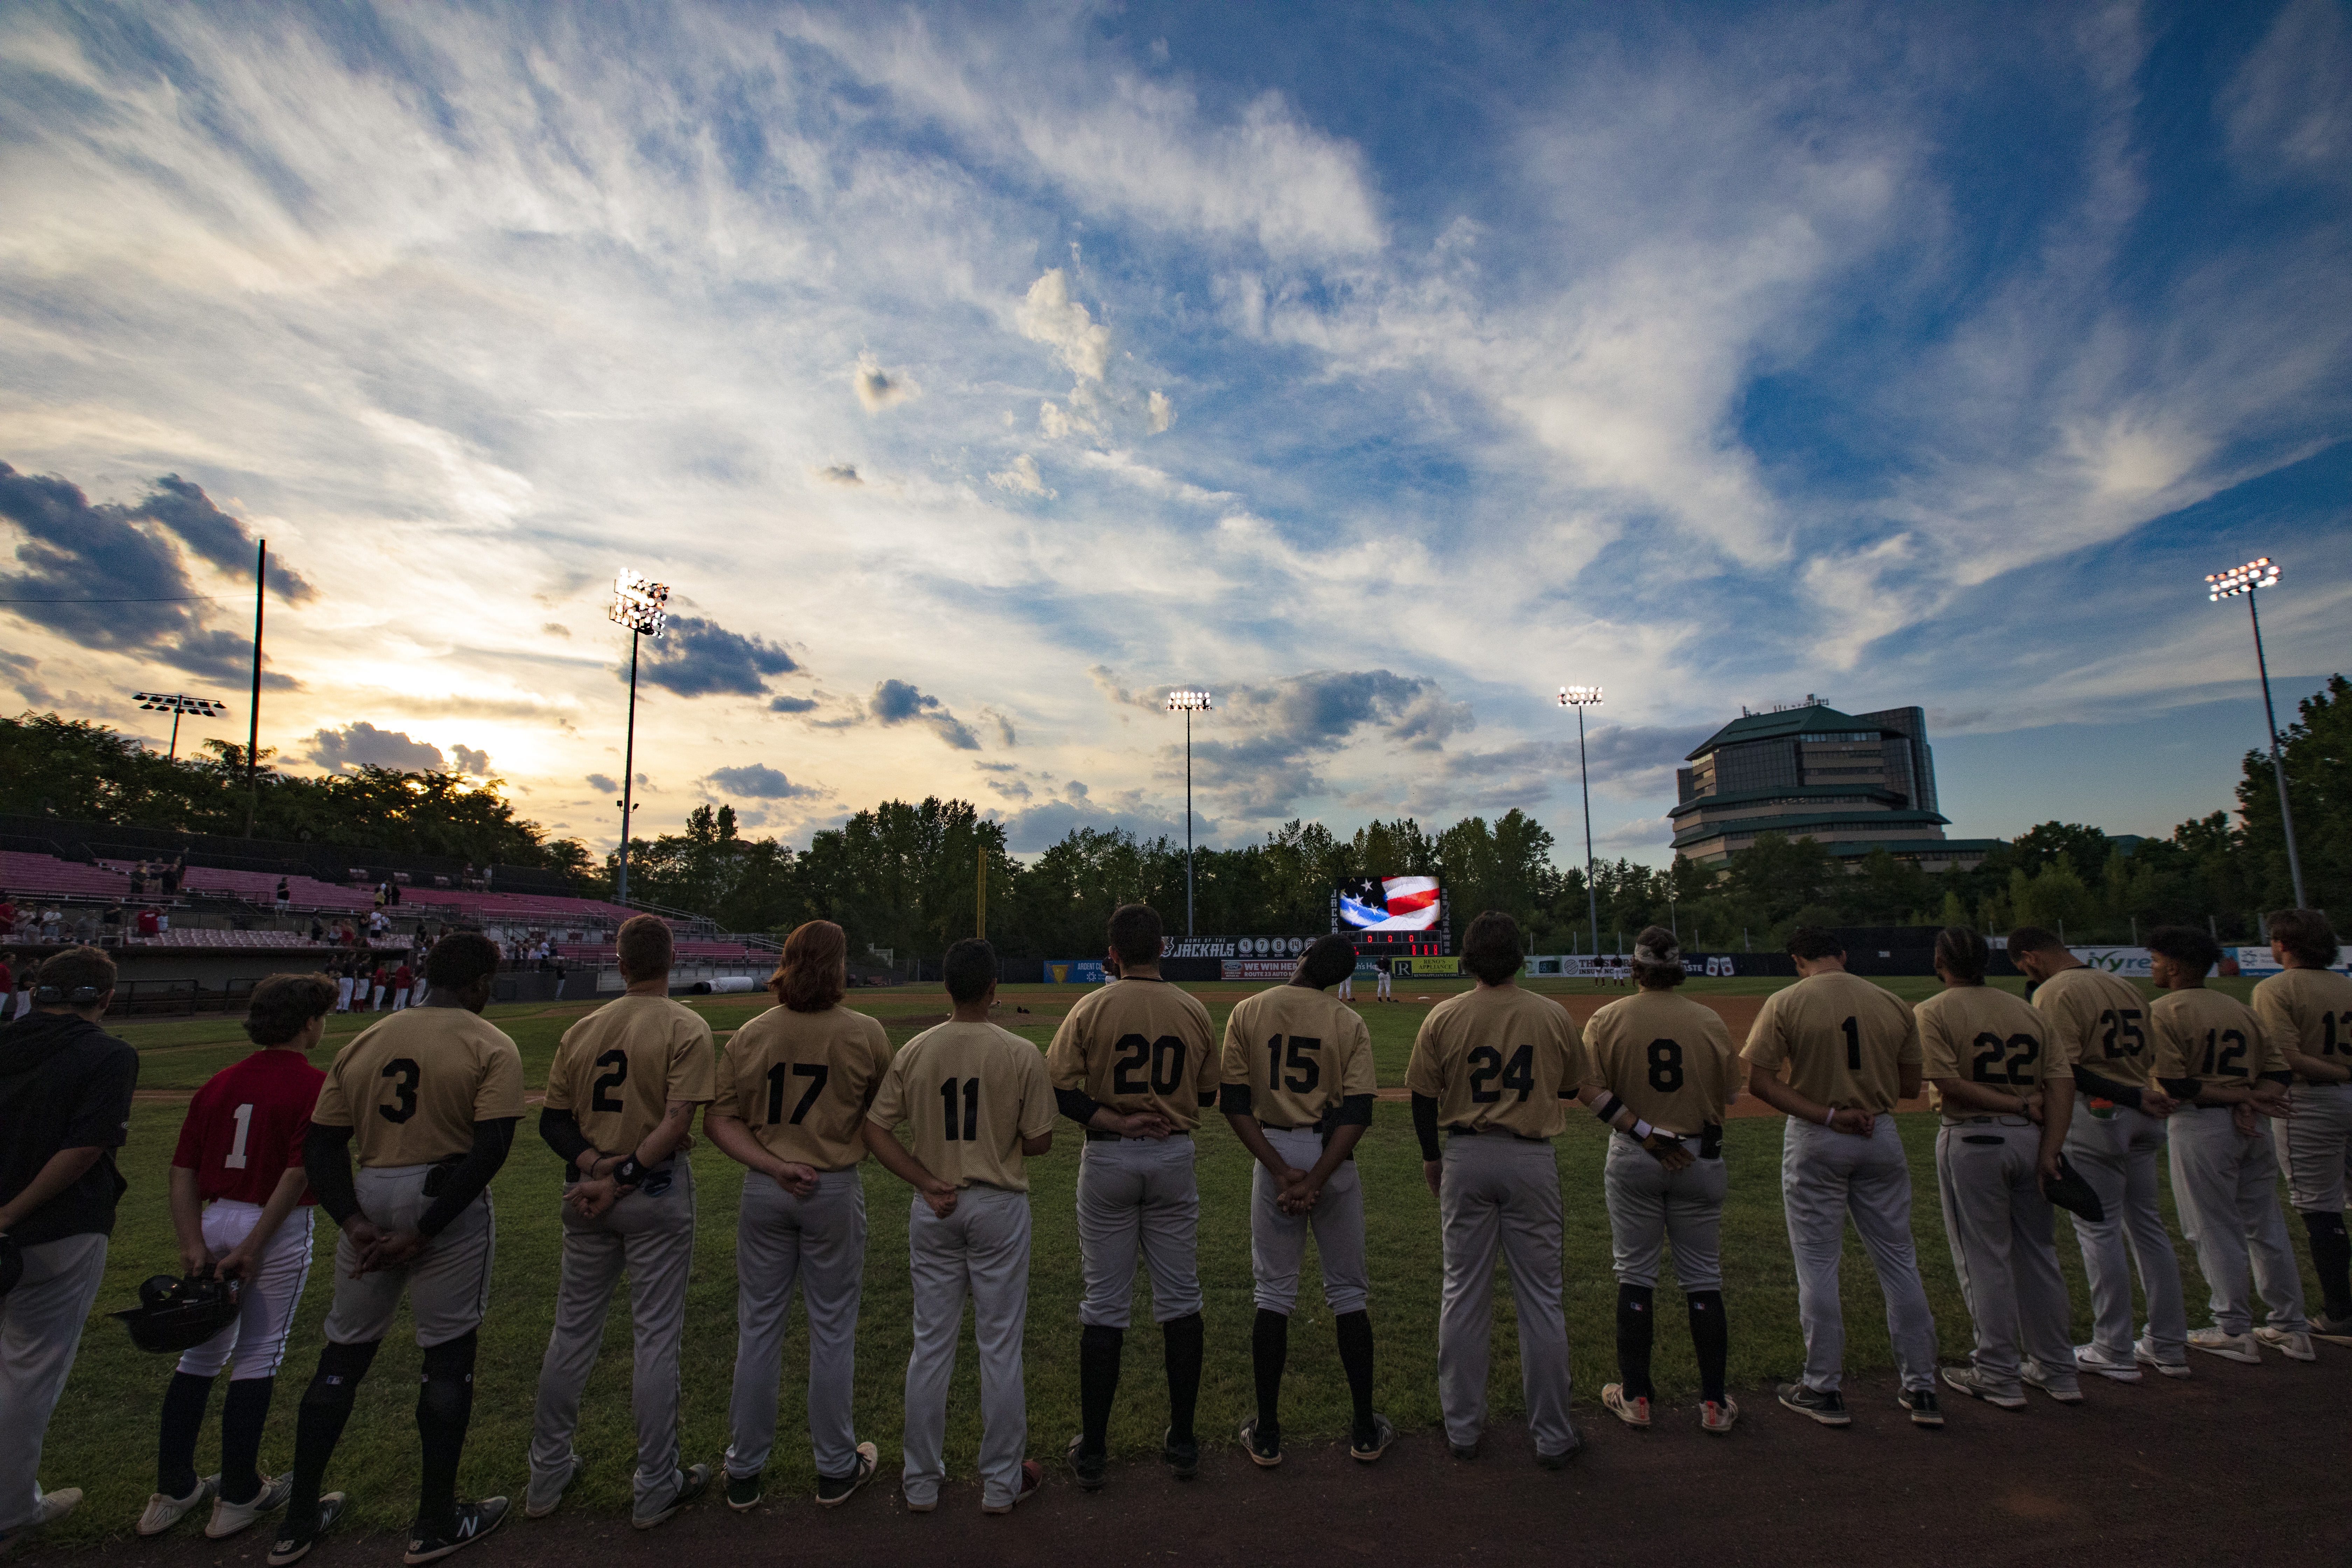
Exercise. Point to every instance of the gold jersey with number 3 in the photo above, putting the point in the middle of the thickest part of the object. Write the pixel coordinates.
(1984, 1035)
(620, 1069)
(1844, 1041)
(2103, 1021)
(1300, 1051)
(1139, 1045)
(411, 1086)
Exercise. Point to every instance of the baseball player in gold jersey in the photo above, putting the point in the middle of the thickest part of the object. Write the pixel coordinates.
(793, 1087)
(2100, 1020)
(1662, 1073)
(2307, 1008)
(430, 1097)
(1298, 1088)
(1493, 1068)
(1851, 1049)
(2213, 1056)
(621, 1098)
(2006, 1098)
(980, 1105)
(1135, 1064)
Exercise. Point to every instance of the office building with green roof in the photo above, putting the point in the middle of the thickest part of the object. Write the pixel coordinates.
(1852, 783)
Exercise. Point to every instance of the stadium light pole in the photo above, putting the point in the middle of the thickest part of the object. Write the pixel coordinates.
(2240, 582)
(176, 703)
(1581, 698)
(644, 608)
(1188, 703)
(253, 734)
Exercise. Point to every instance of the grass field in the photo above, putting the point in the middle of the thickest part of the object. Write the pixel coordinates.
(102, 1437)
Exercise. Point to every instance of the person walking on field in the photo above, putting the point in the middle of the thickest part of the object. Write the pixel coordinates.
(2215, 1056)
(1851, 1049)
(1298, 1087)
(793, 1087)
(2115, 1138)
(430, 1097)
(403, 978)
(240, 1205)
(979, 1104)
(1492, 1069)
(65, 1107)
(345, 978)
(1135, 1064)
(2307, 1008)
(621, 1098)
(2006, 1099)
(1662, 1073)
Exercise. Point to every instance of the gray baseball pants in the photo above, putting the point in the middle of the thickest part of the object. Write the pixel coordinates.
(1999, 1227)
(1826, 1176)
(2226, 1188)
(2117, 1154)
(2314, 1146)
(448, 1286)
(1501, 1194)
(1650, 1205)
(650, 1234)
(40, 1329)
(819, 1243)
(1278, 1240)
(982, 1250)
(1138, 1193)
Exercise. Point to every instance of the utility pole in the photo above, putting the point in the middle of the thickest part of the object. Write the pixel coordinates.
(252, 732)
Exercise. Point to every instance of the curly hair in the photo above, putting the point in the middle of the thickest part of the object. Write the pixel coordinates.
(808, 977)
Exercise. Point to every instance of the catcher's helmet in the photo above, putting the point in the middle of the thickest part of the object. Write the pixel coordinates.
(175, 1315)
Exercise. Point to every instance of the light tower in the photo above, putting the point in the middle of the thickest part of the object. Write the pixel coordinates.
(2242, 581)
(175, 704)
(1188, 703)
(1581, 698)
(644, 608)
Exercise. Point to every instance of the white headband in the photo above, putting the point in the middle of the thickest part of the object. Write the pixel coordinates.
(1657, 958)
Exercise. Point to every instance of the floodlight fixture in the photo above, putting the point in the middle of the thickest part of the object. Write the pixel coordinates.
(641, 605)
(1187, 702)
(2244, 582)
(177, 703)
(1581, 698)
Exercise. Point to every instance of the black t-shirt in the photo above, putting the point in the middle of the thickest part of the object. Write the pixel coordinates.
(65, 1083)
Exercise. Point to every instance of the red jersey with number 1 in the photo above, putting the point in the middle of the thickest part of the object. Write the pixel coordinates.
(246, 1126)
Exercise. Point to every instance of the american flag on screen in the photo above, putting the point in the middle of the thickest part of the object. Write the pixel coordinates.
(1392, 903)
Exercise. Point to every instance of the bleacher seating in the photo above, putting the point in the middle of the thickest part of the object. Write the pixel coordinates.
(46, 875)
(207, 937)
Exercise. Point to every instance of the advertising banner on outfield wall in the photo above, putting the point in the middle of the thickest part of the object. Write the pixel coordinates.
(1259, 968)
(2257, 961)
(1424, 968)
(1074, 972)
(1235, 946)
(2131, 962)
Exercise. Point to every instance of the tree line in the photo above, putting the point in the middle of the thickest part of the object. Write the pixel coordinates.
(906, 876)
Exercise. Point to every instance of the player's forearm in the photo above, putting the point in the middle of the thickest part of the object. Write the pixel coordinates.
(283, 1200)
(1344, 1139)
(2317, 1070)
(1974, 1096)
(64, 1168)
(735, 1141)
(1424, 1128)
(559, 1131)
(328, 1165)
(895, 1157)
(188, 1210)
(663, 1141)
(492, 1141)
(1785, 1100)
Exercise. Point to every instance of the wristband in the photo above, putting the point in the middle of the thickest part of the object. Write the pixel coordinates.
(1642, 1129)
(1828, 1117)
(628, 1173)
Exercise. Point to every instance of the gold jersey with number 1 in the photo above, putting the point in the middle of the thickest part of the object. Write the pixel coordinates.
(1843, 1040)
(411, 1086)
(2309, 1010)
(1299, 1051)
(620, 1069)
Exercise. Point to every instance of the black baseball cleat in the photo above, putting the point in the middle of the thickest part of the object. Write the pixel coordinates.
(1826, 1405)
(1264, 1443)
(743, 1492)
(1465, 1451)
(1559, 1461)
(1183, 1457)
(1368, 1446)
(1087, 1469)
(832, 1491)
(692, 1484)
(2335, 1329)
(1921, 1403)
(469, 1522)
(296, 1537)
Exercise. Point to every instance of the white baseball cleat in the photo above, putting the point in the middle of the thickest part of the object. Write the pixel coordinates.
(2144, 1351)
(162, 1511)
(2091, 1358)
(2289, 1343)
(230, 1518)
(2225, 1344)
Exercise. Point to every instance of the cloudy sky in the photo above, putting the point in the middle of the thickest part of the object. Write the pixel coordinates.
(976, 374)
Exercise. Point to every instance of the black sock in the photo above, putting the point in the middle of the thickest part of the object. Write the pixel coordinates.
(2331, 1259)
(444, 1407)
(1182, 1338)
(1355, 1331)
(1269, 1348)
(242, 1416)
(175, 1446)
(1634, 1330)
(318, 1424)
(1098, 1352)
(1711, 1337)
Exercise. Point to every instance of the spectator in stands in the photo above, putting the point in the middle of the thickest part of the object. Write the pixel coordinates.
(402, 978)
(85, 928)
(150, 924)
(139, 879)
(53, 922)
(7, 912)
(65, 1102)
(110, 925)
(318, 928)
(286, 896)
(396, 892)
(7, 981)
(162, 921)
(173, 875)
